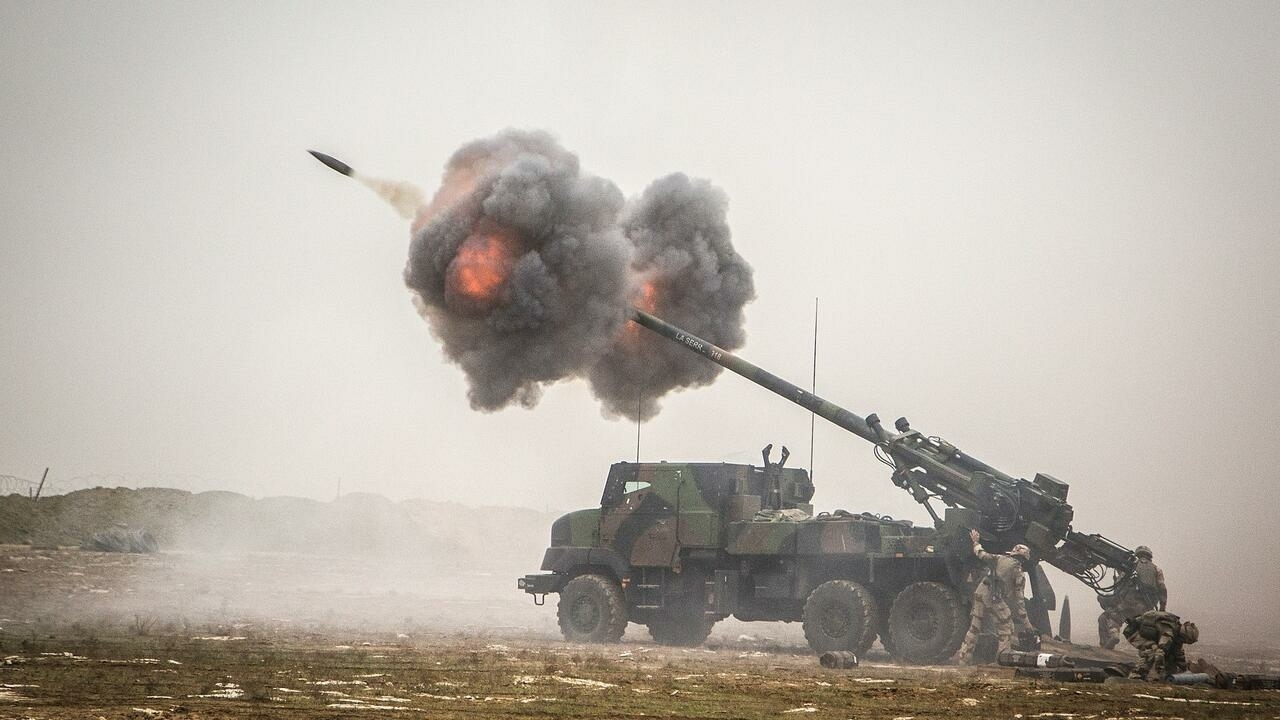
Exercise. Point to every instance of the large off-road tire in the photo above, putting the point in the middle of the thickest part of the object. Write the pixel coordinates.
(591, 609)
(840, 615)
(927, 623)
(680, 629)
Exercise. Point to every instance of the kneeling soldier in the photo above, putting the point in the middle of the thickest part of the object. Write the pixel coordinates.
(1159, 637)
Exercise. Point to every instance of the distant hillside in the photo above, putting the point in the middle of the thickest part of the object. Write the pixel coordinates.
(358, 523)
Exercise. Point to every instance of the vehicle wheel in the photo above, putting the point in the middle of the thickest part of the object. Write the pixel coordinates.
(927, 623)
(683, 629)
(840, 615)
(591, 609)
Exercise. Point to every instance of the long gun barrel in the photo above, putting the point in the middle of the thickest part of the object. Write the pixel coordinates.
(1006, 510)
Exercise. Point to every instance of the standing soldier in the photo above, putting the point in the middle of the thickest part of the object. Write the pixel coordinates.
(1140, 591)
(1159, 637)
(998, 597)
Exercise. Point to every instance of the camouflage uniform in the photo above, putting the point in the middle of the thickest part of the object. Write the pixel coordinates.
(1158, 636)
(998, 598)
(1139, 592)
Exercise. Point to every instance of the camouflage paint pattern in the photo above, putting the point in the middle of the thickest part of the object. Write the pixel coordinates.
(998, 599)
(1115, 611)
(580, 528)
(1142, 590)
(762, 538)
(988, 607)
(1157, 635)
(681, 535)
(650, 512)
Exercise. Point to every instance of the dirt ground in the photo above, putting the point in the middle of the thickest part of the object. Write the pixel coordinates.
(89, 635)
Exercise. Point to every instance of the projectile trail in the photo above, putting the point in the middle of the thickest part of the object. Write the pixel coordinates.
(405, 197)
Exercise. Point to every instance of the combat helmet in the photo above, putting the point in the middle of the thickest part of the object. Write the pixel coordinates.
(1021, 551)
(1190, 633)
(1142, 551)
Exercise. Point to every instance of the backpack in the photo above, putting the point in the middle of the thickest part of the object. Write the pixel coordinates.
(1147, 575)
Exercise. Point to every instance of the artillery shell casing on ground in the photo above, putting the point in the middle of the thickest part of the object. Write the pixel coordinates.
(838, 659)
(1190, 678)
(1064, 674)
(1016, 658)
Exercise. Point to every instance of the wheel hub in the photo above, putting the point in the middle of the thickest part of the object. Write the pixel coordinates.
(923, 621)
(835, 620)
(585, 615)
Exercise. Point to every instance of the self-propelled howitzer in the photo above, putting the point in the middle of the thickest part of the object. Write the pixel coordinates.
(1004, 509)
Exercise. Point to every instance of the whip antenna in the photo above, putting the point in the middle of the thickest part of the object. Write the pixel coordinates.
(814, 386)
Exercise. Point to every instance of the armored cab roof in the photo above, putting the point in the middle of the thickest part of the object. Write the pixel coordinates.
(777, 486)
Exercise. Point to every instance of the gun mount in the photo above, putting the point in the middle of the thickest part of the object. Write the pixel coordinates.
(1004, 509)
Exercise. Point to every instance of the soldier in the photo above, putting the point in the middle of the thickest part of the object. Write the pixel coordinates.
(1159, 637)
(1141, 591)
(998, 597)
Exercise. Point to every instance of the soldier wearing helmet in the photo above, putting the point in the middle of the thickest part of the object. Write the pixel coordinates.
(1159, 637)
(1141, 590)
(998, 597)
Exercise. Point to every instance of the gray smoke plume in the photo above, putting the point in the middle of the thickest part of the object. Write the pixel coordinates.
(519, 266)
(525, 268)
(689, 275)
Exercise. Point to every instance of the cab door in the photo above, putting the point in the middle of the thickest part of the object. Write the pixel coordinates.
(641, 524)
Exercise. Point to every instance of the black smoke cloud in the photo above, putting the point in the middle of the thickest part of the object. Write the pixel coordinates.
(682, 254)
(525, 268)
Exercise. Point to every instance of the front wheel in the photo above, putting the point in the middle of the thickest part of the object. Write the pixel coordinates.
(927, 623)
(592, 610)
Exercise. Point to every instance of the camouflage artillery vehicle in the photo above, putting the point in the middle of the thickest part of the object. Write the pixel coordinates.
(682, 547)
(679, 546)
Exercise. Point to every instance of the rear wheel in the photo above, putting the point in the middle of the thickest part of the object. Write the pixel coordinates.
(927, 623)
(840, 615)
(680, 629)
(591, 609)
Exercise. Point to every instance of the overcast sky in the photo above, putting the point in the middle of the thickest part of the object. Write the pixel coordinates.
(1045, 232)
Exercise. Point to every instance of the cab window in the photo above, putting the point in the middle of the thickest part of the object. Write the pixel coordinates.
(621, 479)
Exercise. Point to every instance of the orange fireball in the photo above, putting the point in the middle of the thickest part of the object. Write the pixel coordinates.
(648, 300)
(481, 268)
